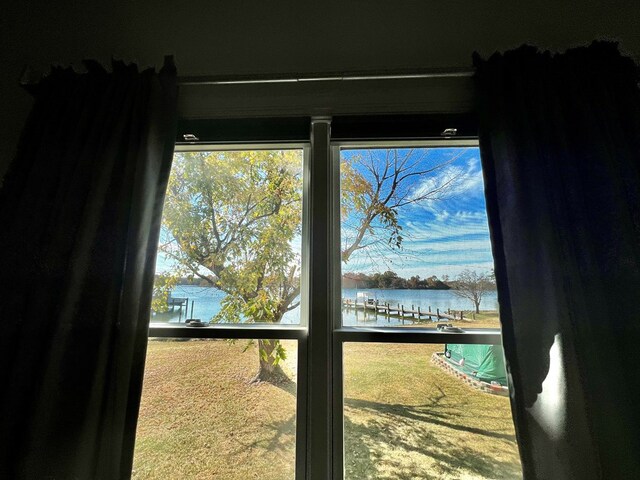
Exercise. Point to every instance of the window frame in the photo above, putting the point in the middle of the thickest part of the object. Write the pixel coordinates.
(320, 336)
(355, 334)
(266, 331)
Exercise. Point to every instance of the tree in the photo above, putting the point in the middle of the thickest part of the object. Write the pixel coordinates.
(230, 218)
(434, 283)
(473, 286)
(376, 185)
(414, 282)
(387, 279)
(162, 286)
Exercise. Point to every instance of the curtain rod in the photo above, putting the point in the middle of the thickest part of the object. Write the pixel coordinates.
(30, 77)
(324, 77)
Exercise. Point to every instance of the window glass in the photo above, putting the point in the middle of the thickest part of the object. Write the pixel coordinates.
(427, 411)
(415, 245)
(205, 414)
(230, 246)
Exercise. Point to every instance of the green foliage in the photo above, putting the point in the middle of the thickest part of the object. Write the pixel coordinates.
(162, 287)
(231, 217)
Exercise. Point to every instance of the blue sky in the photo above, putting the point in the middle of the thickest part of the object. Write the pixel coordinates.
(442, 236)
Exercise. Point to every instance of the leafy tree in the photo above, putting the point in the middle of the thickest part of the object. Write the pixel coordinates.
(231, 217)
(387, 279)
(473, 286)
(162, 286)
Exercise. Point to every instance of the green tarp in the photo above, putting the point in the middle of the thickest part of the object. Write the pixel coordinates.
(484, 362)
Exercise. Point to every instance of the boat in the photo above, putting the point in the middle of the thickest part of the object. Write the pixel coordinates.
(366, 298)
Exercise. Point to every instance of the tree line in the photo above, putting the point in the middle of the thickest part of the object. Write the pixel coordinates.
(391, 280)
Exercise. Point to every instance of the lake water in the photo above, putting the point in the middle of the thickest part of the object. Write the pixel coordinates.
(206, 304)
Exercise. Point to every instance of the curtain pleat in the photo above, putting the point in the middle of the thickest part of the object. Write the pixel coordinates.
(80, 212)
(560, 145)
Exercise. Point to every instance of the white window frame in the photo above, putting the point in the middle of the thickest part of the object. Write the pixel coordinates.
(320, 335)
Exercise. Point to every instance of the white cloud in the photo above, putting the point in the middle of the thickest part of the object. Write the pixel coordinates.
(443, 235)
(445, 242)
(447, 226)
(454, 183)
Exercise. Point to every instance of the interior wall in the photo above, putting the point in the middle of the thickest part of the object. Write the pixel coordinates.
(293, 36)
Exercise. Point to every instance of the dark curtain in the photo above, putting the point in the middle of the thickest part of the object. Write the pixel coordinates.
(80, 212)
(560, 145)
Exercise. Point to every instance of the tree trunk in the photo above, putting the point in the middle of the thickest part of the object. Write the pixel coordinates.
(268, 371)
(477, 306)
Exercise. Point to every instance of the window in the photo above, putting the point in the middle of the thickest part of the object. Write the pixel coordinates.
(415, 246)
(325, 309)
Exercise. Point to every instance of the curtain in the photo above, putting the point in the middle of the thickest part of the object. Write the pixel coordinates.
(80, 215)
(560, 146)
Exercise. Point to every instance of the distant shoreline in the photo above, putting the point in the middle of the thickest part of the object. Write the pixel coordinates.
(398, 288)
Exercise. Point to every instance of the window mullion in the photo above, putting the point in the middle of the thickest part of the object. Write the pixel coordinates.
(319, 394)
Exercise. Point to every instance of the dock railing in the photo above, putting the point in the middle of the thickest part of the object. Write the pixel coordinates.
(401, 311)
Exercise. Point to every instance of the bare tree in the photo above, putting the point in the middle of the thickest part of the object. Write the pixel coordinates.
(473, 286)
(376, 185)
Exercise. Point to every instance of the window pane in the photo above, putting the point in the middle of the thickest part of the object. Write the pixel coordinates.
(411, 412)
(414, 238)
(230, 246)
(202, 417)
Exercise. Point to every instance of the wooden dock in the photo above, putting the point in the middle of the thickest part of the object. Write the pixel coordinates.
(402, 311)
(179, 302)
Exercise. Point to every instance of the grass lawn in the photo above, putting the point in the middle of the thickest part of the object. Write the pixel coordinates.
(484, 319)
(404, 418)
(200, 418)
(407, 419)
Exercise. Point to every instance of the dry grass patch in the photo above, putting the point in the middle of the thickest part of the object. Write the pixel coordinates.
(484, 319)
(200, 418)
(407, 419)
